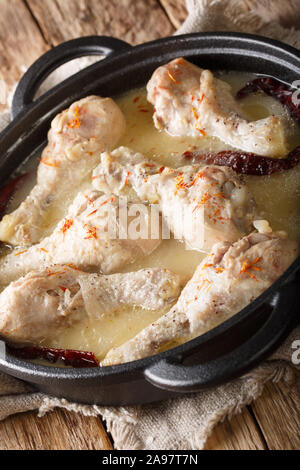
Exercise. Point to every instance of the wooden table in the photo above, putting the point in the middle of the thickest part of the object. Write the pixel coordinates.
(27, 29)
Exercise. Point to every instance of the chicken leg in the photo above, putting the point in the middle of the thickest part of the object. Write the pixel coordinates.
(40, 304)
(77, 135)
(224, 283)
(202, 205)
(95, 235)
(190, 101)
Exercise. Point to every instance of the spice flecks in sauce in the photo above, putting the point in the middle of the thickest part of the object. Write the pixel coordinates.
(277, 197)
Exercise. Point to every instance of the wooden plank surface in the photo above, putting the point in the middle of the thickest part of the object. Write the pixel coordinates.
(276, 427)
(238, 433)
(277, 413)
(58, 430)
(133, 21)
(176, 11)
(21, 43)
(27, 29)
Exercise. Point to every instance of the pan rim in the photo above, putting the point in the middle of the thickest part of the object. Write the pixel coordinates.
(13, 365)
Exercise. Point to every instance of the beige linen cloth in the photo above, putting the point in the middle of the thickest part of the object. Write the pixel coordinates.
(185, 422)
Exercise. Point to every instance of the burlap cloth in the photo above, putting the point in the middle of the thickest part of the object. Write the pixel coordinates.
(182, 423)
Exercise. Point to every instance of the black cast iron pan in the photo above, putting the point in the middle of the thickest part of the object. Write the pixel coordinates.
(238, 344)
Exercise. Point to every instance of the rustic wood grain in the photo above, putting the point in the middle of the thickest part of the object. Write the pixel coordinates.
(278, 414)
(176, 11)
(239, 433)
(61, 430)
(133, 21)
(21, 43)
(58, 430)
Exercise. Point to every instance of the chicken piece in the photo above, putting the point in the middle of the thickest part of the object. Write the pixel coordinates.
(190, 101)
(38, 305)
(76, 137)
(202, 205)
(224, 283)
(94, 235)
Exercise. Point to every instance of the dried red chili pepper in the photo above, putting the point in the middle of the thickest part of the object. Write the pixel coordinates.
(278, 90)
(69, 357)
(8, 191)
(246, 163)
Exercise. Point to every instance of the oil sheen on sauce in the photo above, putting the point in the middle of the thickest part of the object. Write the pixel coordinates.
(277, 198)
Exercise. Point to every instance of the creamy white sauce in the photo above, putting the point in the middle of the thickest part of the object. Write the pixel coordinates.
(277, 198)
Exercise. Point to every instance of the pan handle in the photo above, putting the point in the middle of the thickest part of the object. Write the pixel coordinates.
(51, 60)
(170, 374)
